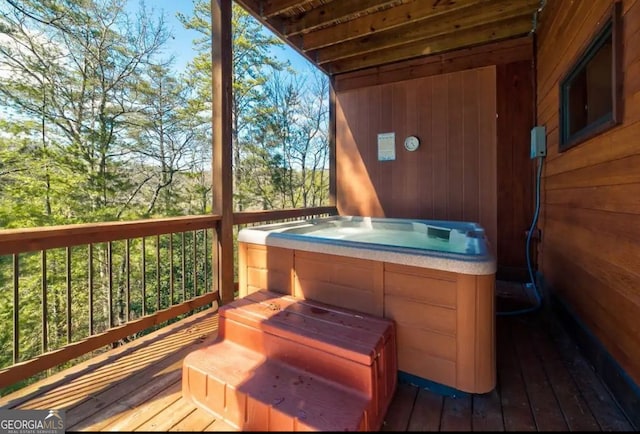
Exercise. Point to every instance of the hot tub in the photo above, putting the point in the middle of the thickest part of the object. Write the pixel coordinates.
(434, 278)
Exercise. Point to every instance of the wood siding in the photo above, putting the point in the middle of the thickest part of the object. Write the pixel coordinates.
(473, 111)
(590, 251)
(516, 172)
(452, 176)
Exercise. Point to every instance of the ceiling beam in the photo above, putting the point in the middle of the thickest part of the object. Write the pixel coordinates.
(481, 34)
(428, 29)
(388, 19)
(274, 24)
(337, 10)
(271, 8)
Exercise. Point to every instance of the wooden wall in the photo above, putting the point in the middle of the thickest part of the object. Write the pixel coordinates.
(590, 251)
(472, 111)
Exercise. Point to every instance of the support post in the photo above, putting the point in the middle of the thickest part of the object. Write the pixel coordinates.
(222, 146)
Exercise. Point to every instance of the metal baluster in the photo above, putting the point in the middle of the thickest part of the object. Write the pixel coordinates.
(90, 289)
(16, 311)
(158, 271)
(43, 264)
(110, 282)
(144, 279)
(128, 267)
(204, 262)
(195, 267)
(68, 269)
(171, 270)
(184, 286)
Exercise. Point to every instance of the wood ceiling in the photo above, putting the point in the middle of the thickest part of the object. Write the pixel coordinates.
(346, 35)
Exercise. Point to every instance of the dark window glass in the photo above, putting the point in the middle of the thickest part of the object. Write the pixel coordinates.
(589, 92)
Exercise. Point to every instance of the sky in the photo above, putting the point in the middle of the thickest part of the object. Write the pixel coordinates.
(180, 46)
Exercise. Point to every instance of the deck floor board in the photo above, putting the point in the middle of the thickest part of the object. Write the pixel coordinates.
(544, 383)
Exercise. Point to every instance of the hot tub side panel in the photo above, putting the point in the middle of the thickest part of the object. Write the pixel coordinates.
(261, 266)
(445, 320)
(351, 283)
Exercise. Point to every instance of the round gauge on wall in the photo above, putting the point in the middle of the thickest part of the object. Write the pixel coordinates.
(411, 143)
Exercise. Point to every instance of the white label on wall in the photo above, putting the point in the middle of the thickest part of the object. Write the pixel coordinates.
(386, 146)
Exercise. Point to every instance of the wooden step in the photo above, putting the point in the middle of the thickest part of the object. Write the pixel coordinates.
(346, 347)
(252, 392)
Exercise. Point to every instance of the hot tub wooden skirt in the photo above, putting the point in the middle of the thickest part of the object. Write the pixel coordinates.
(445, 321)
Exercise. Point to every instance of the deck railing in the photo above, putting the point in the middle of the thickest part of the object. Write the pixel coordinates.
(66, 291)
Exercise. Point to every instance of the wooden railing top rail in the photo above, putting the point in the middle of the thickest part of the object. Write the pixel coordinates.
(246, 217)
(50, 237)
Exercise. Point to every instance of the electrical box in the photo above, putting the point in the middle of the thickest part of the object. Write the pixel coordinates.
(538, 141)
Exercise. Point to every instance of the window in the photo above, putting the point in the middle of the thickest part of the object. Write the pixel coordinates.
(590, 93)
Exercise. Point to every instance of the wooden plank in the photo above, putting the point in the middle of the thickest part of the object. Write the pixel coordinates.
(426, 411)
(506, 51)
(544, 404)
(50, 237)
(515, 27)
(420, 363)
(433, 343)
(172, 415)
(622, 226)
(106, 385)
(613, 198)
(199, 420)
(592, 390)
(575, 410)
(455, 140)
(515, 170)
(487, 161)
(487, 412)
(631, 30)
(573, 38)
(456, 413)
(616, 143)
(413, 313)
(48, 360)
(155, 406)
(272, 8)
(495, 13)
(439, 146)
(613, 316)
(400, 15)
(127, 414)
(516, 407)
(246, 217)
(127, 393)
(611, 173)
(333, 183)
(400, 409)
(220, 425)
(205, 322)
(441, 292)
(471, 119)
(336, 11)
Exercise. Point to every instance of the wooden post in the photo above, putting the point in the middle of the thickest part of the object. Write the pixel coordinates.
(332, 143)
(222, 152)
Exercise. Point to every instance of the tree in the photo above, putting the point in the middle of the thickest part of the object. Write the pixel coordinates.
(289, 143)
(75, 69)
(252, 61)
(170, 139)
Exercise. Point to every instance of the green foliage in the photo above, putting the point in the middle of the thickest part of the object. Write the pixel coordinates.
(97, 125)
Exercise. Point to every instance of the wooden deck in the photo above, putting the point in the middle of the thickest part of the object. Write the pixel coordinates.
(544, 384)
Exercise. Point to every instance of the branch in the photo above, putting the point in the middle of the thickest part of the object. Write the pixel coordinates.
(52, 22)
